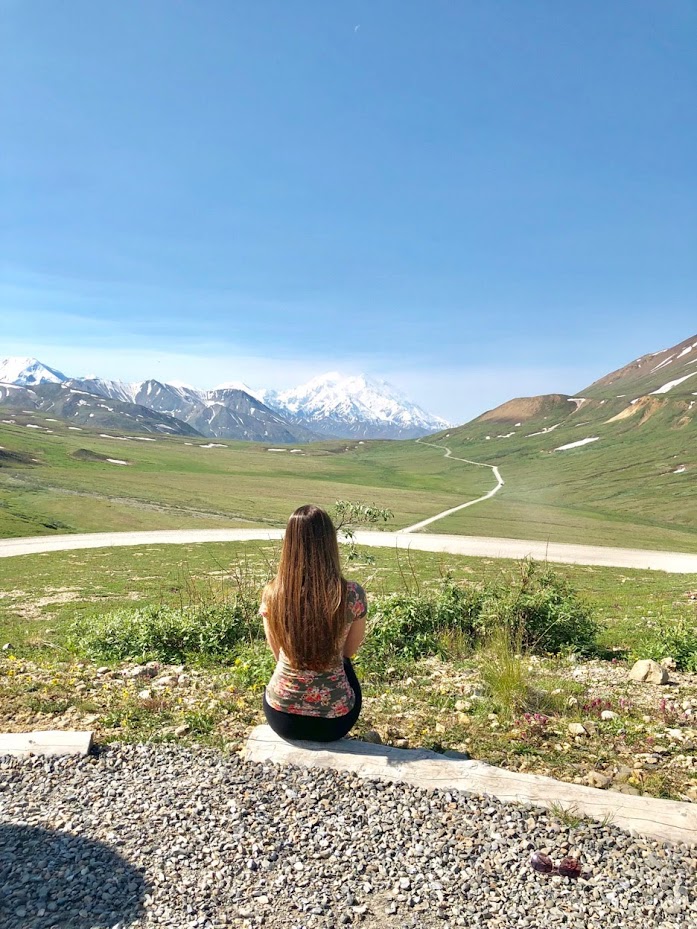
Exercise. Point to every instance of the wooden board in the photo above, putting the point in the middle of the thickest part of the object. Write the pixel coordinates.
(48, 742)
(664, 820)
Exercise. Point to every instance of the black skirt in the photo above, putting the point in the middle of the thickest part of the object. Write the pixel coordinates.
(293, 726)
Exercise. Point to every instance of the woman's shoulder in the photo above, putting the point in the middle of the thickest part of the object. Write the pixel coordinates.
(356, 599)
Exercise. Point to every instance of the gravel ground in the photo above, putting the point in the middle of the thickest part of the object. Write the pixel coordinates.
(158, 835)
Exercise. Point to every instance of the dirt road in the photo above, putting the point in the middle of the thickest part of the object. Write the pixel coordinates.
(558, 552)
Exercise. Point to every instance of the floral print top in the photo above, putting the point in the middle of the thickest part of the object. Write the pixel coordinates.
(316, 693)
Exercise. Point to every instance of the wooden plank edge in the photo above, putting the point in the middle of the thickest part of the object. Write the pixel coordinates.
(662, 820)
(46, 742)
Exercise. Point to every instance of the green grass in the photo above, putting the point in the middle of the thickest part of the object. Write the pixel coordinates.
(41, 595)
(50, 680)
(171, 484)
(620, 490)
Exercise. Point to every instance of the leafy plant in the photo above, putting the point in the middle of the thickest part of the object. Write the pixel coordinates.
(167, 634)
(349, 515)
(541, 612)
(406, 627)
(544, 609)
(677, 640)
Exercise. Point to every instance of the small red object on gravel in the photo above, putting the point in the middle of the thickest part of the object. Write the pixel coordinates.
(570, 867)
(541, 862)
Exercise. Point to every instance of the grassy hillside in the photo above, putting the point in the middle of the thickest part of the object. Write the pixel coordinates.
(63, 481)
(612, 466)
(633, 482)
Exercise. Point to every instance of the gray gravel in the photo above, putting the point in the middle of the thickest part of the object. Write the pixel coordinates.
(146, 835)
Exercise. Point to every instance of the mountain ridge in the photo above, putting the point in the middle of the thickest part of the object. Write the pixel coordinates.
(328, 406)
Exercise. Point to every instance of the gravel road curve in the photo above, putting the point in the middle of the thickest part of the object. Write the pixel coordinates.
(144, 836)
(561, 553)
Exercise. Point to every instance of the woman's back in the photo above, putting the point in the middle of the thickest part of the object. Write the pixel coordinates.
(314, 621)
(309, 692)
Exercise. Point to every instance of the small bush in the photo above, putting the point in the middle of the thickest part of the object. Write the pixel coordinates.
(543, 609)
(677, 640)
(167, 634)
(407, 627)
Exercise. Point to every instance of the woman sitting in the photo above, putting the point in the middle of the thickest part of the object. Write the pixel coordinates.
(314, 620)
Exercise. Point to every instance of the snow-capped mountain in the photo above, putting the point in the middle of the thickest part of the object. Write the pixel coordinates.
(357, 406)
(228, 412)
(86, 410)
(330, 405)
(27, 372)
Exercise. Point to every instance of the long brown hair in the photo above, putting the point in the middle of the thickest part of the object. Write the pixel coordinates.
(306, 601)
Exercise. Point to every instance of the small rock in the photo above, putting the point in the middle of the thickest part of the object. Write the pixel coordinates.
(139, 671)
(372, 736)
(145, 694)
(626, 789)
(596, 779)
(8, 647)
(577, 729)
(648, 671)
(401, 743)
(182, 730)
(608, 715)
(623, 773)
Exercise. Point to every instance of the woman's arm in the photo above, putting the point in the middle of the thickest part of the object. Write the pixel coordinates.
(270, 641)
(355, 637)
(358, 608)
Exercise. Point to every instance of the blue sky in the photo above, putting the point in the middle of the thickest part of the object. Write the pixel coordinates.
(474, 200)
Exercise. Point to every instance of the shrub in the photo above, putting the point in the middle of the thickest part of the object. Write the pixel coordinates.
(676, 640)
(543, 609)
(407, 627)
(167, 634)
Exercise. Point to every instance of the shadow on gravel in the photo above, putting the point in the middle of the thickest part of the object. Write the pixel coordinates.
(54, 880)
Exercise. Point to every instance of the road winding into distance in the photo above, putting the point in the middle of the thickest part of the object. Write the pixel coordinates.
(558, 552)
(448, 454)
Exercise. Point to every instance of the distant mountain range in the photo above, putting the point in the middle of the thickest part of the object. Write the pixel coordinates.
(330, 406)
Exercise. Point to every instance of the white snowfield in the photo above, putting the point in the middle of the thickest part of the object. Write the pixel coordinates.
(671, 384)
(354, 399)
(557, 552)
(563, 448)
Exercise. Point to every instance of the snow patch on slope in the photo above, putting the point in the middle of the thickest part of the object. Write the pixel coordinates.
(563, 448)
(671, 384)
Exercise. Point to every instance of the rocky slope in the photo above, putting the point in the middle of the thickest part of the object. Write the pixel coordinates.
(84, 408)
(226, 413)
